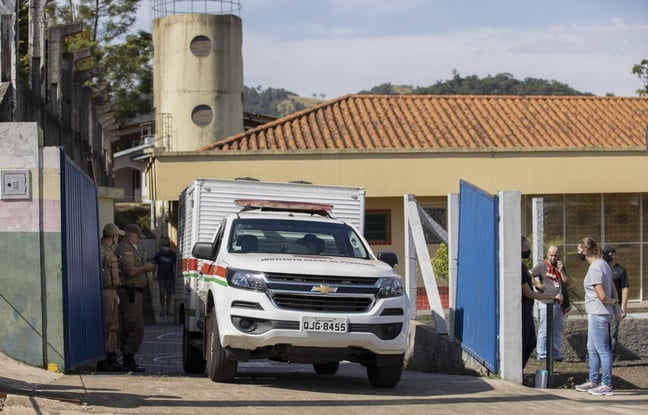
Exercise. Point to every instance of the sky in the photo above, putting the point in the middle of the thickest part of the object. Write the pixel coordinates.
(329, 48)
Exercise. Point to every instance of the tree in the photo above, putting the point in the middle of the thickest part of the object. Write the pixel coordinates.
(500, 84)
(22, 7)
(120, 63)
(641, 70)
(128, 79)
(440, 264)
(106, 20)
(270, 101)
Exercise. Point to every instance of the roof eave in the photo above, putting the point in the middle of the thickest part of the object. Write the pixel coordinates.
(417, 151)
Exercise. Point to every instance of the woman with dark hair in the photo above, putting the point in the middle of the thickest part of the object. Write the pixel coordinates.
(600, 299)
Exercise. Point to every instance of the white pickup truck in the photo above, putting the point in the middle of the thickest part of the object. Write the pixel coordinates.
(285, 281)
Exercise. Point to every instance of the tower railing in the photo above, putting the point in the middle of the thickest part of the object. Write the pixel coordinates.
(162, 8)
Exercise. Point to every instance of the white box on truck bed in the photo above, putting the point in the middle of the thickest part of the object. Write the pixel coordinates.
(282, 271)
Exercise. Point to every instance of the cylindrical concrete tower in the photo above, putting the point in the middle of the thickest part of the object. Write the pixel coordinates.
(197, 72)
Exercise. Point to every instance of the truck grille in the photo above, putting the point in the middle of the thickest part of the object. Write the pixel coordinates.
(319, 279)
(321, 303)
(304, 292)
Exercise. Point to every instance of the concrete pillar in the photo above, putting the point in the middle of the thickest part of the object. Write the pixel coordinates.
(510, 320)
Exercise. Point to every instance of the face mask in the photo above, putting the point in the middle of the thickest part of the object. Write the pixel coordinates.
(607, 258)
(526, 254)
(554, 263)
(581, 256)
(166, 248)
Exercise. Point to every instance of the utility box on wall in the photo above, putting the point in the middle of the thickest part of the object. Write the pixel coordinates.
(16, 184)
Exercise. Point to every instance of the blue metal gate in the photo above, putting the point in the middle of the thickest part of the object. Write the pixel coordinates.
(82, 283)
(477, 312)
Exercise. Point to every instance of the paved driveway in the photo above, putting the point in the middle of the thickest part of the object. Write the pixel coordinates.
(264, 387)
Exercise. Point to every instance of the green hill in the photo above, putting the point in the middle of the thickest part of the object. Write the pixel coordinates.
(278, 102)
(500, 84)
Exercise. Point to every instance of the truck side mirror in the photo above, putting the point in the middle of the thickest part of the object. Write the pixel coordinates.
(203, 250)
(388, 258)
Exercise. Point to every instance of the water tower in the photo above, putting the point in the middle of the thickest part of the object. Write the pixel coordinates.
(197, 72)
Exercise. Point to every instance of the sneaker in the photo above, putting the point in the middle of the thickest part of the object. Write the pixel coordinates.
(601, 390)
(585, 387)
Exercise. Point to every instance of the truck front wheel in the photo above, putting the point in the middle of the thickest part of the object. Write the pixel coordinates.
(386, 376)
(219, 367)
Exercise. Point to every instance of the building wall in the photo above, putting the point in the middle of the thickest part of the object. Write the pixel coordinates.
(31, 298)
(107, 196)
(422, 174)
(51, 275)
(429, 176)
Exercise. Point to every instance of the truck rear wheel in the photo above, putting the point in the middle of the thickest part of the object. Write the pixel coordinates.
(386, 376)
(329, 368)
(192, 357)
(219, 367)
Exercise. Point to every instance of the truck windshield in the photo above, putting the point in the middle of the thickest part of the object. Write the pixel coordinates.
(295, 237)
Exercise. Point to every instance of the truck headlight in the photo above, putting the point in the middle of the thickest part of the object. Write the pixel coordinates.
(247, 280)
(390, 287)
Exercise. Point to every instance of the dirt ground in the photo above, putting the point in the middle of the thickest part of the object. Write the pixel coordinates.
(626, 374)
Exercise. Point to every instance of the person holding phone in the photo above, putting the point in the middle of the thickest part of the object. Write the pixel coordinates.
(528, 295)
(553, 279)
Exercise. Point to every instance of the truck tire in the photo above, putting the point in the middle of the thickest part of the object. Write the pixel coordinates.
(192, 357)
(329, 368)
(219, 367)
(385, 376)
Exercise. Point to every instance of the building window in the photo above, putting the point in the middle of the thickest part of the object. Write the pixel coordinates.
(202, 115)
(612, 219)
(622, 217)
(378, 226)
(200, 46)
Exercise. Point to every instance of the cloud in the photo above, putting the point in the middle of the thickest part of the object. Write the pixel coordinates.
(594, 59)
(344, 46)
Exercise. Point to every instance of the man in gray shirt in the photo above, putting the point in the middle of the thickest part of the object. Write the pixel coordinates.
(551, 274)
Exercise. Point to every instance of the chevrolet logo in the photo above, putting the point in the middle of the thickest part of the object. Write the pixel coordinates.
(324, 289)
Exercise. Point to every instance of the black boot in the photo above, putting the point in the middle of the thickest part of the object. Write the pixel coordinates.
(130, 365)
(117, 367)
(105, 366)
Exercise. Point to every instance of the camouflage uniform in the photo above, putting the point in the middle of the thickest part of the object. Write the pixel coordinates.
(131, 299)
(111, 283)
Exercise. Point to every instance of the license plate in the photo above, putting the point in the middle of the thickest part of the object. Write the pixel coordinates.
(325, 324)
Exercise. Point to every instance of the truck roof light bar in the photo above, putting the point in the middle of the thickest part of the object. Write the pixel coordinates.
(284, 206)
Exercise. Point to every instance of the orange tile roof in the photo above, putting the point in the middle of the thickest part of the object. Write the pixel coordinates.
(453, 122)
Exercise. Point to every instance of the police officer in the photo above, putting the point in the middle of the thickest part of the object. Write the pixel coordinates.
(111, 283)
(133, 281)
